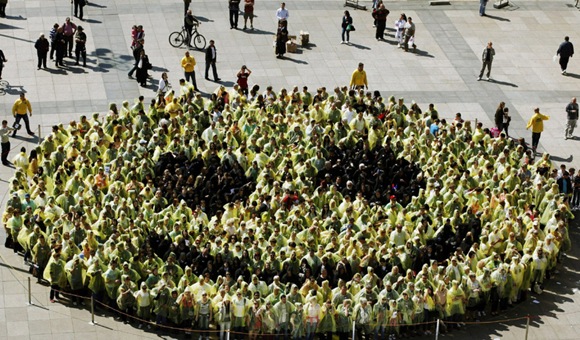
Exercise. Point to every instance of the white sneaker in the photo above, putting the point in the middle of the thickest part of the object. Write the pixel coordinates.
(478, 78)
(488, 78)
(342, 42)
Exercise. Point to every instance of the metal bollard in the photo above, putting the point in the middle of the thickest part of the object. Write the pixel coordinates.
(92, 311)
(29, 292)
(437, 330)
(228, 334)
(39, 134)
(353, 330)
(527, 326)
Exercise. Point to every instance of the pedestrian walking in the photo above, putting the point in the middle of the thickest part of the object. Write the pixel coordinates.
(188, 65)
(380, 15)
(281, 38)
(52, 37)
(347, 27)
(164, 84)
(358, 79)
(565, 51)
(486, 59)
(5, 141)
(3, 4)
(69, 30)
(81, 46)
(572, 116)
(242, 81)
(482, 4)
(536, 122)
(79, 6)
(42, 46)
(20, 110)
(143, 66)
(400, 29)
(498, 117)
(2, 61)
(506, 121)
(409, 35)
(234, 6)
(137, 56)
(210, 60)
(249, 14)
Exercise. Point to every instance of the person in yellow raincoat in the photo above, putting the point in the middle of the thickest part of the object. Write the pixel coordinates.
(75, 273)
(456, 299)
(55, 274)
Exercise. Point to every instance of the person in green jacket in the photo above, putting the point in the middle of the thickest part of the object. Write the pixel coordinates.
(54, 273)
(75, 274)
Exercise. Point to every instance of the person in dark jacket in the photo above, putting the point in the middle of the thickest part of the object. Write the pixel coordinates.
(346, 20)
(565, 51)
(281, 38)
(137, 55)
(42, 46)
(210, 60)
(380, 15)
(81, 46)
(143, 66)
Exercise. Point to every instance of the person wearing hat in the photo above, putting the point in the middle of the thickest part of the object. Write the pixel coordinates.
(362, 316)
(125, 298)
(81, 45)
(55, 274)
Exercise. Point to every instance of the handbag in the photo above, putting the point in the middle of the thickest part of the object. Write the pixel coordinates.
(350, 28)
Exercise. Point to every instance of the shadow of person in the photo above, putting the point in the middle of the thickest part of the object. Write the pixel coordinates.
(573, 75)
(497, 18)
(499, 82)
(359, 46)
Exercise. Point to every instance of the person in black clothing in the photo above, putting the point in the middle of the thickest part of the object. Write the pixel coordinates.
(60, 46)
(2, 61)
(565, 51)
(234, 6)
(52, 36)
(137, 55)
(143, 66)
(210, 60)
(42, 48)
(281, 38)
(80, 46)
(189, 22)
(380, 15)
(79, 5)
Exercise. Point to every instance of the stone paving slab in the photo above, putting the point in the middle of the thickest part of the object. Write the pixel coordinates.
(450, 39)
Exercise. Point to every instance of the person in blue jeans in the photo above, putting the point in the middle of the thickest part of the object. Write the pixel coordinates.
(482, 4)
(346, 20)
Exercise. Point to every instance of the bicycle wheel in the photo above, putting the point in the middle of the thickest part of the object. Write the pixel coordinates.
(199, 42)
(176, 39)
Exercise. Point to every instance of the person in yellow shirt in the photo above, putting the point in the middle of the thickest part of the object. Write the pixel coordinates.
(188, 65)
(537, 125)
(359, 78)
(20, 109)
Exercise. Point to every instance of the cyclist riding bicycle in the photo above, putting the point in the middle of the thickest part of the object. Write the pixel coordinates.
(189, 22)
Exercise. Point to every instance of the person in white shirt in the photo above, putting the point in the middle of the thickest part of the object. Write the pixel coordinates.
(282, 13)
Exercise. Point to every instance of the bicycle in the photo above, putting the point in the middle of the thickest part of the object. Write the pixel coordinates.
(178, 38)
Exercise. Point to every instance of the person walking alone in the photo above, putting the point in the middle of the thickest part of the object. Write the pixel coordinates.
(537, 125)
(42, 47)
(486, 58)
(565, 51)
(572, 115)
(210, 60)
(5, 138)
(20, 109)
(358, 79)
(346, 27)
(79, 5)
(188, 65)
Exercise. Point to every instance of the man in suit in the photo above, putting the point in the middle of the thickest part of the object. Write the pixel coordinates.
(210, 59)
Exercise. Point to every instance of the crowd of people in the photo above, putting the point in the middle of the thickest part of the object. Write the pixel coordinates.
(288, 212)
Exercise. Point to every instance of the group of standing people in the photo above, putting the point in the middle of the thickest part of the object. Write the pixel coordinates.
(62, 40)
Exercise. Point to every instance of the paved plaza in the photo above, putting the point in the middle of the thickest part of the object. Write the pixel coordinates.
(450, 40)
